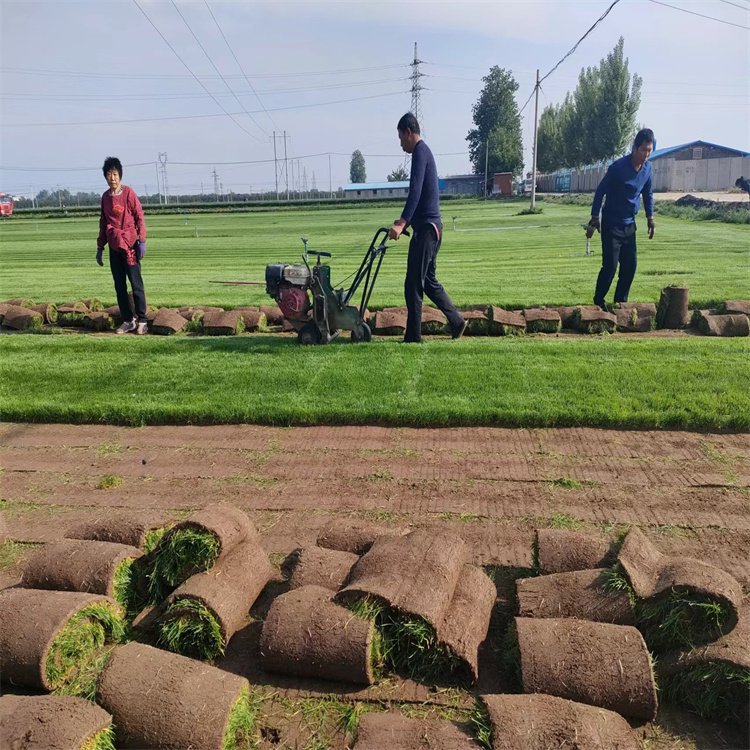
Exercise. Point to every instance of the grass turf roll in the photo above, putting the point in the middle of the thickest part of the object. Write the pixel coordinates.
(477, 322)
(69, 629)
(48, 311)
(168, 321)
(194, 320)
(542, 321)
(163, 700)
(562, 551)
(672, 311)
(317, 566)
(526, 722)
(3, 309)
(99, 321)
(724, 325)
(134, 529)
(93, 304)
(224, 323)
(588, 320)
(209, 608)
(307, 635)
(633, 320)
(51, 722)
(589, 662)
(22, 318)
(391, 321)
(72, 314)
(506, 322)
(354, 536)
(18, 302)
(736, 307)
(434, 322)
(253, 319)
(393, 731)
(274, 316)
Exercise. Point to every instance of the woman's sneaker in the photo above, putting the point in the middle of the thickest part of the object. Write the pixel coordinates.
(141, 329)
(127, 327)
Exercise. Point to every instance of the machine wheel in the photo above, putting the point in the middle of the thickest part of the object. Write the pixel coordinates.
(365, 335)
(309, 334)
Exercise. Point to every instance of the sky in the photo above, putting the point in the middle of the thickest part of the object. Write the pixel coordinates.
(84, 80)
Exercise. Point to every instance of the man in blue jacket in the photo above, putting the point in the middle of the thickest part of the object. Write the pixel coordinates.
(422, 212)
(626, 180)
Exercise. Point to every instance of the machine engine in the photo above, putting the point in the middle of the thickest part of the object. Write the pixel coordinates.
(289, 286)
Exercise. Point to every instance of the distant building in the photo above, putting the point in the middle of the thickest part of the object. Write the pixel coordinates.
(463, 184)
(502, 183)
(377, 189)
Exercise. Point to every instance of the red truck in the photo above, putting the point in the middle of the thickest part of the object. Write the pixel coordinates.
(6, 205)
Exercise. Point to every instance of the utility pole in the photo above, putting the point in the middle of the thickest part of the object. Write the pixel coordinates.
(145, 192)
(158, 189)
(533, 168)
(286, 168)
(59, 196)
(330, 180)
(314, 183)
(201, 188)
(164, 183)
(416, 98)
(292, 179)
(275, 167)
(216, 185)
(486, 159)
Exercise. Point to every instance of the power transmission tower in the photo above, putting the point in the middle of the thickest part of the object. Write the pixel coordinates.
(314, 184)
(281, 167)
(416, 98)
(163, 171)
(216, 185)
(304, 182)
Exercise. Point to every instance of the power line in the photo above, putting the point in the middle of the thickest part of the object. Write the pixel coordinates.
(240, 66)
(244, 109)
(741, 7)
(701, 15)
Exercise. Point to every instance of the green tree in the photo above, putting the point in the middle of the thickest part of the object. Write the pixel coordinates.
(357, 172)
(399, 174)
(497, 131)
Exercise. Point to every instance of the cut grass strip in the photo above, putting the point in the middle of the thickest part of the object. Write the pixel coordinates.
(189, 628)
(103, 740)
(511, 659)
(153, 537)
(78, 642)
(481, 725)
(242, 726)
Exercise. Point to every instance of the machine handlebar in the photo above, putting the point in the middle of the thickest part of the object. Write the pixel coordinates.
(319, 253)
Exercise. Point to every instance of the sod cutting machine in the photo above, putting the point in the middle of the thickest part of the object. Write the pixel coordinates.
(316, 310)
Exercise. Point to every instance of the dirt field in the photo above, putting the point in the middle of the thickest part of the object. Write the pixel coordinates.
(690, 493)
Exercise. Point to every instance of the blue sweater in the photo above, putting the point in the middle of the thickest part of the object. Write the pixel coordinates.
(623, 187)
(423, 204)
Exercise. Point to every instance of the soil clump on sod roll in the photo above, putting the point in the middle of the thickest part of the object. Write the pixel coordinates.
(506, 322)
(134, 529)
(680, 602)
(724, 325)
(562, 551)
(354, 536)
(589, 662)
(209, 608)
(392, 731)
(68, 629)
(317, 566)
(82, 565)
(163, 700)
(306, 634)
(48, 311)
(542, 321)
(672, 311)
(587, 320)
(224, 323)
(390, 322)
(580, 594)
(52, 722)
(22, 318)
(543, 722)
(167, 321)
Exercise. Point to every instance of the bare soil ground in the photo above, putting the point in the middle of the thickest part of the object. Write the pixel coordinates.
(689, 492)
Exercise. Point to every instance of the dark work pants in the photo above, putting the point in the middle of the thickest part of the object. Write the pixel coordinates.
(421, 279)
(618, 246)
(121, 272)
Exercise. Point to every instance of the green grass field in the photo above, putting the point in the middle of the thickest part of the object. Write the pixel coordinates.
(52, 260)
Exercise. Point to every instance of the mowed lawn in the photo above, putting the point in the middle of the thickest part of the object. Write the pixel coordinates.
(527, 262)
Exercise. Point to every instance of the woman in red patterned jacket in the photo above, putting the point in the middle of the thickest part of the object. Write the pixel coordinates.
(122, 227)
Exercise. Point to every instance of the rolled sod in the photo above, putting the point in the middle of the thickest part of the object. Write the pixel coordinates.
(225, 323)
(561, 551)
(506, 322)
(93, 304)
(3, 309)
(391, 322)
(527, 722)
(589, 662)
(723, 325)
(697, 317)
(672, 311)
(542, 321)
(22, 318)
(643, 308)
(589, 320)
(151, 313)
(634, 320)
(274, 316)
(682, 602)
(72, 314)
(168, 321)
(354, 536)
(567, 313)
(433, 321)
(580, 594)
(52, 722)
(194, 320)
(133, 529)
(209, 608)
(18, 302)
(477, 322)
(163, 700)
(194, 545)
(736, 307)
(393, 731)
(415, 574)
(317, 566)
(99, 321)
(82, 565)
(115, 314)
(307, 635)
(253, 319)
(68, 629)
(48, 311)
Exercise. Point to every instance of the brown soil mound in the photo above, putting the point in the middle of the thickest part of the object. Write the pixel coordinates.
(274, 316)
(390, 322)
(417, 573)
(49, 722)
(167, 321)
(737, 307)
(77, 565)
(163, 700)
(99, 321)
(468, 618)
(24, 648)
(579, 594)
(391, 731)
(724, 325)
(672, 311)
(326, 568)
(22, 318)
(253, 319)
(543, 722)
(307, 635)
(594, 320)
(542, 321)
(48, 312)
(230, 588)
(354, 536)
(652, 574)
(224, 323)
(562, 551)
(504, 322)
(589, 662)
(122, 528)
(18, 302)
